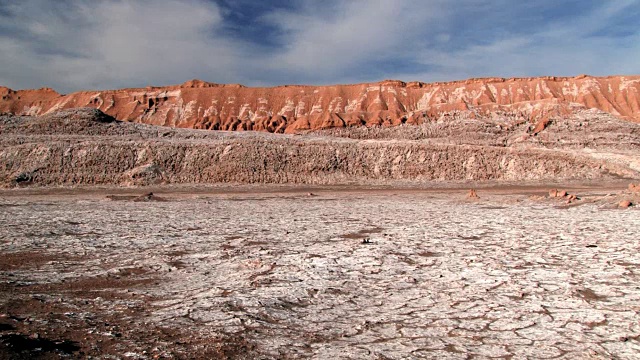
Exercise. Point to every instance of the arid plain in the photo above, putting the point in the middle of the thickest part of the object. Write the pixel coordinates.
(345, 274)
(482, 230)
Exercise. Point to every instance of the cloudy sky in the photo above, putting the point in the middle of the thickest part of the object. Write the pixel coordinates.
(72, 45)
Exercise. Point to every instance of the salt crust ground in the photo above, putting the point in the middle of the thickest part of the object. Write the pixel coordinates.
(340, 275)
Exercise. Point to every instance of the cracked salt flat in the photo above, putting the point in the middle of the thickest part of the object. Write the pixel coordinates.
(438, 278)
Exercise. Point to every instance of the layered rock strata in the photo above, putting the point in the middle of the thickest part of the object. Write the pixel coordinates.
(289, 109)
(87, 147)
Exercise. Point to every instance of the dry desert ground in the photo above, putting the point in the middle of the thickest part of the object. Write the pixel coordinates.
(435, 240)
(261, 272)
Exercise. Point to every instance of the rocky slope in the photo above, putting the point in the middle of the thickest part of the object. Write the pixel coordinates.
(288, 109)
(87, 147)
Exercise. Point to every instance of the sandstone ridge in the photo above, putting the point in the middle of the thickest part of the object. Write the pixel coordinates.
(292, 108)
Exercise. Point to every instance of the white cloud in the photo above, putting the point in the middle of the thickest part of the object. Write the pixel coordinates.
(79, 44)
(558, 47)
(328, 39)
(106, 44)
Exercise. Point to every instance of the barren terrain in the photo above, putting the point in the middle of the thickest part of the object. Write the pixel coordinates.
(291, 108)
(86, 147)
(276, 272)
(469, 234)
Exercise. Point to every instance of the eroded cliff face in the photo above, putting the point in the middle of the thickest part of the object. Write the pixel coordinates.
(86, 147)
(287, 109)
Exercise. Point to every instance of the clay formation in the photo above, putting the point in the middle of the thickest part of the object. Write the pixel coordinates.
(289, 109)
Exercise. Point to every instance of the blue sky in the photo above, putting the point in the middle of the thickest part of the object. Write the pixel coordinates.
(72, 45)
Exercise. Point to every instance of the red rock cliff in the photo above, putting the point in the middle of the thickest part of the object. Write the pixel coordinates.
(202, 105)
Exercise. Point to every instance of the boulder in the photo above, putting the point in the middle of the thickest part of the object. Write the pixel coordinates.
(473, 194)
(624, 204)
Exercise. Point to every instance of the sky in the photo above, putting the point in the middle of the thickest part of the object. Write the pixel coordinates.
(73, 45)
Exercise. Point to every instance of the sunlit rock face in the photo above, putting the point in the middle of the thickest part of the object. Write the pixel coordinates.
(291, 108)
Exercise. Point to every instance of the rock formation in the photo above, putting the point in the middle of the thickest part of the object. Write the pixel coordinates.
(86, 147)
(288, 109)
(472, 194)
(625, 204)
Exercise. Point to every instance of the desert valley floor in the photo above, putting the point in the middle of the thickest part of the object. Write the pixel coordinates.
(279, 272)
